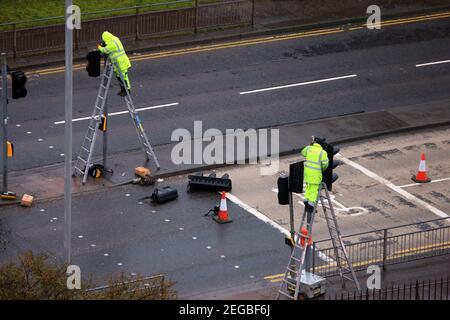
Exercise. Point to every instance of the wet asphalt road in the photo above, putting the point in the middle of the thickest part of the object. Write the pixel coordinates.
(113, 232)
(207, 87)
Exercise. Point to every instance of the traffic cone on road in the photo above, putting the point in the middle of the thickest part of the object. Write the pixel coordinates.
(303, 236)
(421, 176)
(222, 215)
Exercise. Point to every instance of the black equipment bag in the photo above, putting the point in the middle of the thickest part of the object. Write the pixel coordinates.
(164, 195)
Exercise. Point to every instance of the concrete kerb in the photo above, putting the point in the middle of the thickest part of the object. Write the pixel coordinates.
(297, 150)
(172, 173)
(250, 34)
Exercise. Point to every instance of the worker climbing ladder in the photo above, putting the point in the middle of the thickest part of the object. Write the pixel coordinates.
(84, 160)
(290, 285)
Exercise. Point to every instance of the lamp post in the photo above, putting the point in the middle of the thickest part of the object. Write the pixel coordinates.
(68, 136)
(4, 119)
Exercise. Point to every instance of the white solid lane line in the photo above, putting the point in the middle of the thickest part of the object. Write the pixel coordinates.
(397, 189)
(418, 184)
(432, 63)
(266, 220)
(124, 112)
(299, 84)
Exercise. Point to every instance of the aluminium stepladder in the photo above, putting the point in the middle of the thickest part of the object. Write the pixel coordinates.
(83, 161)
(290, 285)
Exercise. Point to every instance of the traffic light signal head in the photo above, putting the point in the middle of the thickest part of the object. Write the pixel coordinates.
(19, 79)
(328, 175)
(93, 65)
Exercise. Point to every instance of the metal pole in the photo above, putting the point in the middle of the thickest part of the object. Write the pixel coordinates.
(68, 138)
(105, 134)
(308, 255)
(137, 24)
(291, 216)
(196, 17)
(4, 120)
(385, 236)
(105, 114)
(14, 41)
(253, 13)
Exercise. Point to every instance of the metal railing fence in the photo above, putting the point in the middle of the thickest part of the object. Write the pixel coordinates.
(386, 247)
(138, 23)
(420, 290)
(155, 286)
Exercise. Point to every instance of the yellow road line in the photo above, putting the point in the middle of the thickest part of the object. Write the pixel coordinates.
(387, 23)
(425, 248)
(239, 45)
(214, 47)
(262, 40)
(395, 255)
(240, 42)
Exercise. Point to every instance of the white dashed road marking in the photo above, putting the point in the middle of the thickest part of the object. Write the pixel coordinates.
(299, 84)
(123, 112)
(432, 63)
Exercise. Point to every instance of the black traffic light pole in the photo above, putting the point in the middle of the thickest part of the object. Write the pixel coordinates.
(4, 120)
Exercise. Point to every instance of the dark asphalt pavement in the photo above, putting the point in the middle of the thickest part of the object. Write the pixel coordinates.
(207, 85)
(112, 232)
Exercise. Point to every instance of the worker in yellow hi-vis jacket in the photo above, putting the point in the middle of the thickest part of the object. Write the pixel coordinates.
(316, 162)
(113, 47)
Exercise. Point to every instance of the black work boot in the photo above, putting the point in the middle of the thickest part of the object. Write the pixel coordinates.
(308, 208)
(122, 91)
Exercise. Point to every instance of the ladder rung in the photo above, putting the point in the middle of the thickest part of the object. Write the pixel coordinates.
(80, 158)
(348, 278)
(286, 294)
(292, 270)
(289, 282)
(345, 271)
(300, 247)
(85, 149)
(78, 169)
(90, 128)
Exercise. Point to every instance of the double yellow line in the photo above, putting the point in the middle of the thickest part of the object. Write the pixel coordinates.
(395, 255)
(241, 43)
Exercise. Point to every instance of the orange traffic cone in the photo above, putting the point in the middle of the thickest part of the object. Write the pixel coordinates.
(304, 235)
(222, 216)
(421, 176)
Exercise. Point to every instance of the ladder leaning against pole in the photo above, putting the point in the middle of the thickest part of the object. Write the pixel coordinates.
(83, 161)
(290, 285)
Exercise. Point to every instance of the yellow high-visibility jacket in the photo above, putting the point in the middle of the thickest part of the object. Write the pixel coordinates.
(114, 48)
(316, 162)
